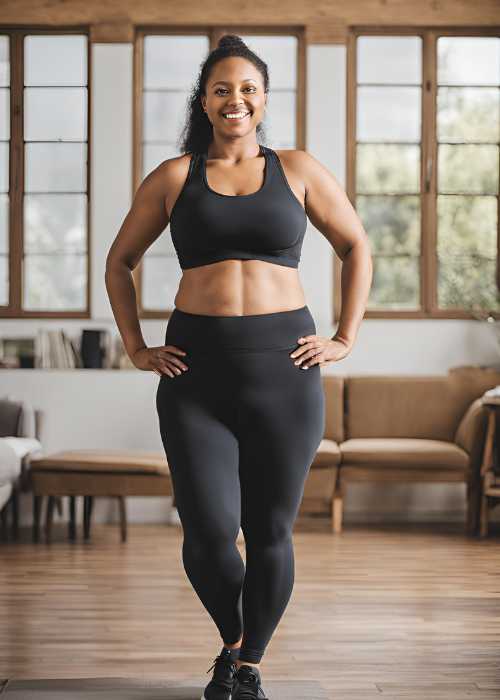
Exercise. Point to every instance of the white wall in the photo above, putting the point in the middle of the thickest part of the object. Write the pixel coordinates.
(100, 408)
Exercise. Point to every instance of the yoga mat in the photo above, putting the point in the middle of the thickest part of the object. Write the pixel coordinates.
(139, 689)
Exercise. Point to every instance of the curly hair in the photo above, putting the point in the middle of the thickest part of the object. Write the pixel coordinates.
(197, 132)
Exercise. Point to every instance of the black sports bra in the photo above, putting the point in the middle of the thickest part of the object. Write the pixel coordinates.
(208, 226)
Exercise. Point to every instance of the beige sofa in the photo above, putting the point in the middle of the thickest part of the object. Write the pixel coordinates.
(400, 428)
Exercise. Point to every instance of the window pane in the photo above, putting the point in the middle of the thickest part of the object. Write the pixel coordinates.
(52, 114)
(4, 114)
(160, 281)
(4, 61)
(173, 61)
(4, 166)
(164, 114)
(163, 244)
(389, 114)
(56, 167)
(280, 122)
(4, 223)
(154, 154)
(468, 169)
(467, 250)
(389, 59)
(280, 54)
(4, 280)
(468, 60)
(55, 59)
(392, 223)
(55, 223)
(396, 283)
(468, 114)
(387, 169)
(55, 282)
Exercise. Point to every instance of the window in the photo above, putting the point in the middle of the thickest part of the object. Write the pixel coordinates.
(169, 65)
(46, 206)
(423, 169)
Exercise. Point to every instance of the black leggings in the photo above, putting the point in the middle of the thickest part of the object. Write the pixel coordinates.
(240, 429)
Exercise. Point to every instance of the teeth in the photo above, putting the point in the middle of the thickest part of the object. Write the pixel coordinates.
(236, 115)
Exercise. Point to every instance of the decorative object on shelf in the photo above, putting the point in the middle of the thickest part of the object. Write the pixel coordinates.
(17, 352)
(95, 348)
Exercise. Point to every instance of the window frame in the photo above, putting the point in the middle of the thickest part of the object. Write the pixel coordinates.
(428, 193)
(16, 170)
(213, 33)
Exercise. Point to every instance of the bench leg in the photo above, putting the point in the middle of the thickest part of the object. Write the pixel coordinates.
(473, 498)
(14, 506)
(49, 513)
(37, 509)
(483, 523)
(72, 518)
(337, 507)
(3, 523)
(87, 514)
(123, 517)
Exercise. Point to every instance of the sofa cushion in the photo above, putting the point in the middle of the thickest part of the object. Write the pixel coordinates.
(333, 387)
(403, 406)
(406, 452)
(10, 416)
(100, 460)
(17, 418)
(327, 454)
(10, 463)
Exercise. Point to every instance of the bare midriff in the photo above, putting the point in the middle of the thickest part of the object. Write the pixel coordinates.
(239, 288)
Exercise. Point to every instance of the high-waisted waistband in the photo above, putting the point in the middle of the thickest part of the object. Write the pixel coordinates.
(273, 331)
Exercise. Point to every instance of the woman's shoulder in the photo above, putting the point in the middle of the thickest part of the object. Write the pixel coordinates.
(173, 171)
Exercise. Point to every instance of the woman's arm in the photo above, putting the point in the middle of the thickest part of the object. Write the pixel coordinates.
(331, 212)
(143, 224)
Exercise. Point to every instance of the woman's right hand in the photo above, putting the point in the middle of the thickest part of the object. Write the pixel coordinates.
(160, 359)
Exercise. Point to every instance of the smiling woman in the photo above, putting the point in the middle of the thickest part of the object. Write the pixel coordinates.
(239, 419)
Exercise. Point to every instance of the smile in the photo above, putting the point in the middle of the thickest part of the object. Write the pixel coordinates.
(236, 116)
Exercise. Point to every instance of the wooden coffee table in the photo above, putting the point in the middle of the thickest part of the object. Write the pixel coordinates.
(90, 473)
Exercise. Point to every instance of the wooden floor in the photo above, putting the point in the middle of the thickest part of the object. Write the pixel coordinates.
(399, 611)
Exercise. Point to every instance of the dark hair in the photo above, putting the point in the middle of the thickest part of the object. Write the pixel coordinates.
(197, 132)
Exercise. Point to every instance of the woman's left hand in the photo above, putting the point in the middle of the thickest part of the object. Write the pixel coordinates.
(316, 350)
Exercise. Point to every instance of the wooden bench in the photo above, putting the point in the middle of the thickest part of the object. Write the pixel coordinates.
(90, 473)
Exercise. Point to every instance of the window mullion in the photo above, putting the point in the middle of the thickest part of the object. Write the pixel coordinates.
(429, 269)
(16, 170)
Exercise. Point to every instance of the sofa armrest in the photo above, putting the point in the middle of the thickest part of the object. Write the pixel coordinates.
(471, 433)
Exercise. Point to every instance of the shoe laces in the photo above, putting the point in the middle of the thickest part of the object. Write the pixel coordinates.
(222, 662)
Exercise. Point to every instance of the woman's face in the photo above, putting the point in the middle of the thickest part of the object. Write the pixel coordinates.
(234, 85)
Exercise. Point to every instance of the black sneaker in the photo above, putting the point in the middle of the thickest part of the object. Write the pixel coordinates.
(221, 684)
(246, 684)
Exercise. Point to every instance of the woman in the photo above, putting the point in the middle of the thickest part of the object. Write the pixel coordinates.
(240, 399)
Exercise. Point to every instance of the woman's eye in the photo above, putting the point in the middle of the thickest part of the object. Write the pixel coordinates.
(219, 90)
